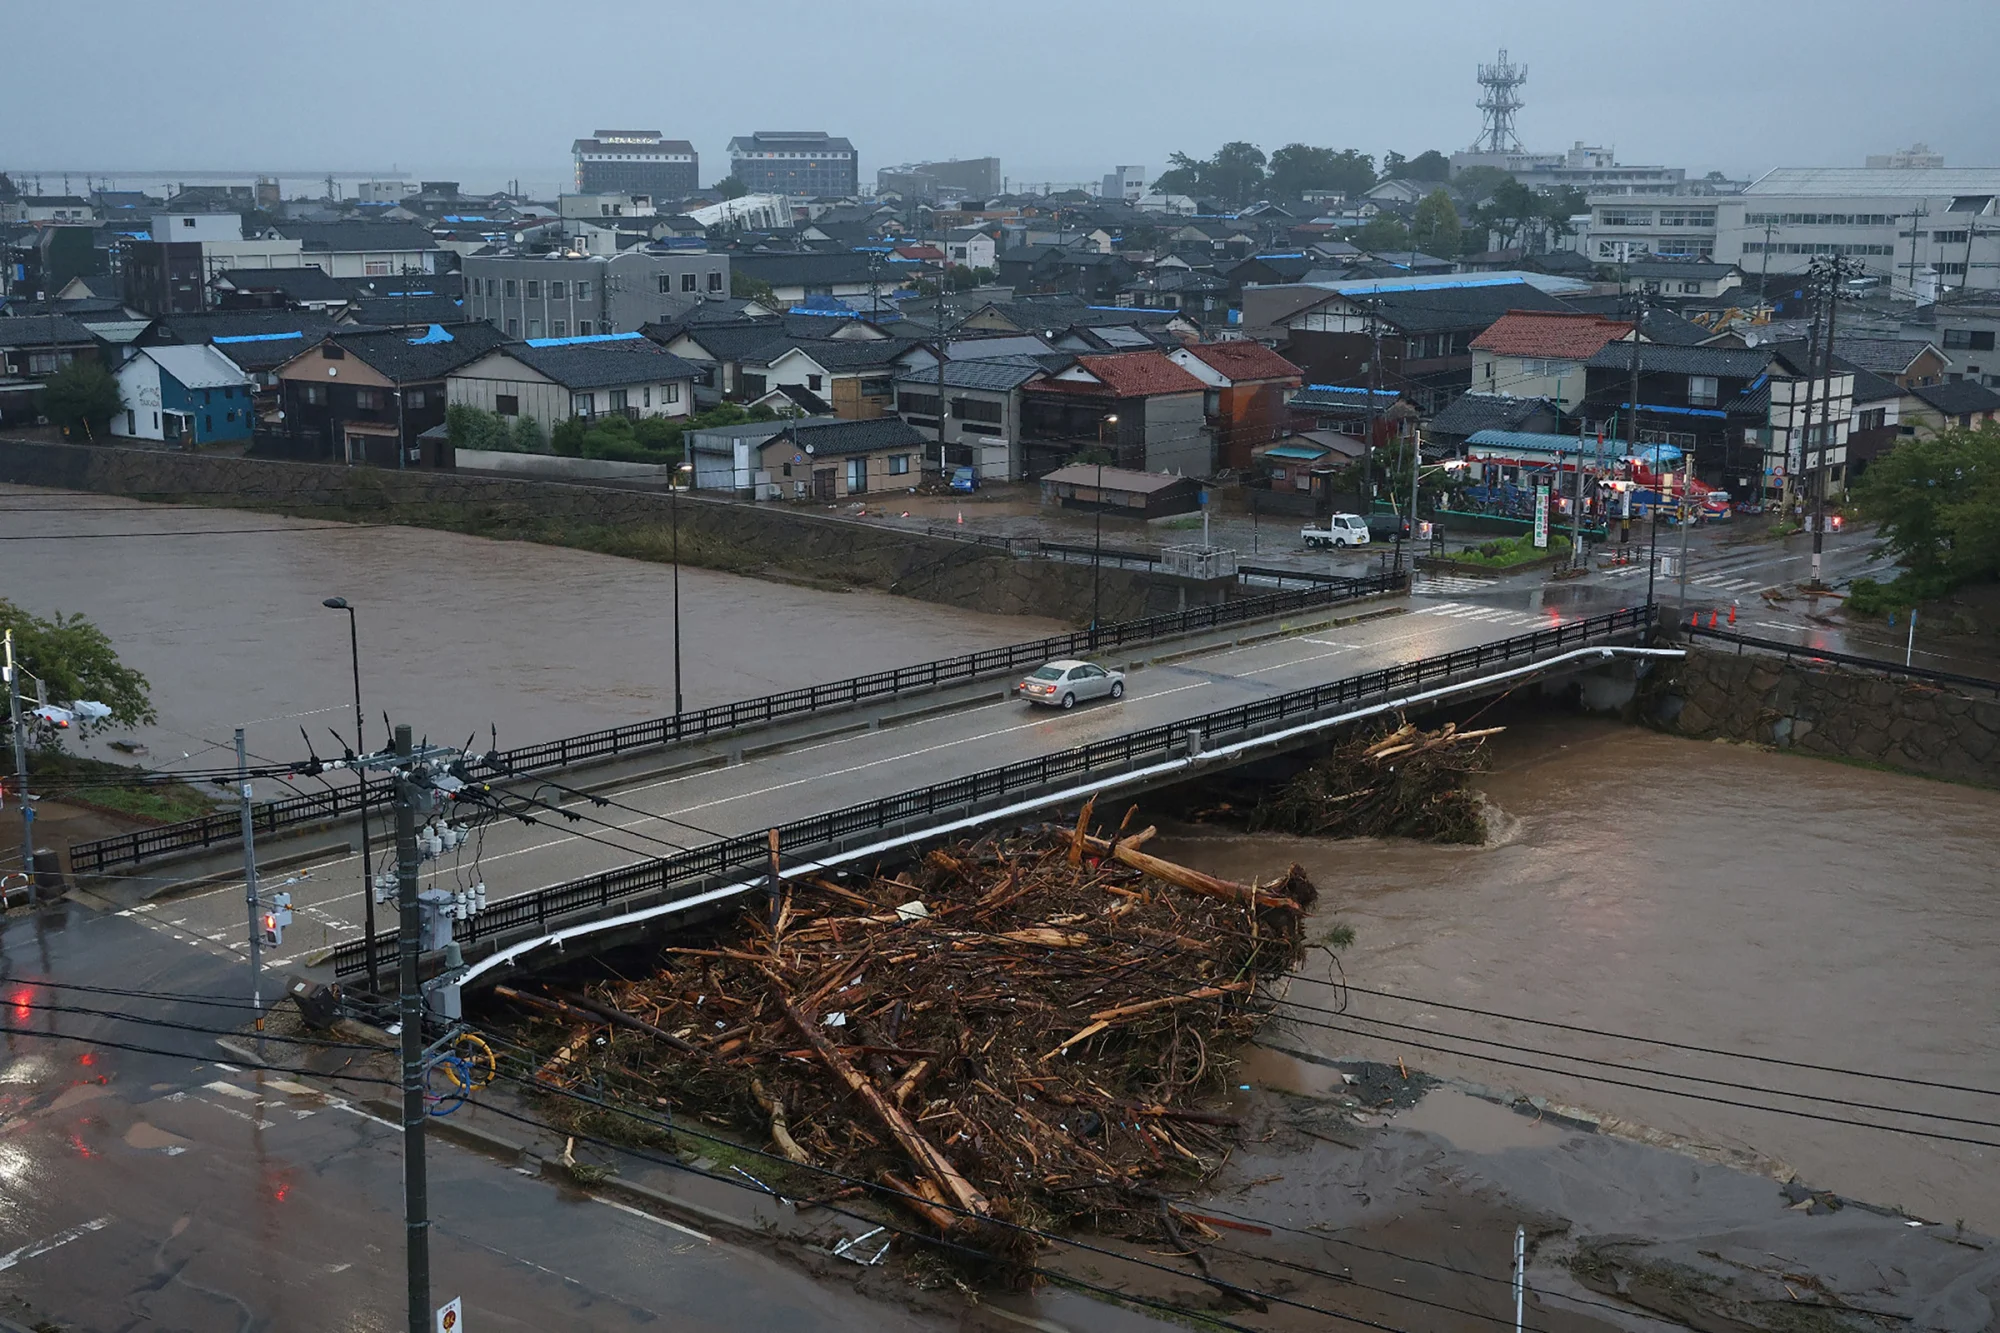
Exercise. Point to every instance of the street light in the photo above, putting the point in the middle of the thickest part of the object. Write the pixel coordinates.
(674, 505)
(367, 851)
(1097, 548)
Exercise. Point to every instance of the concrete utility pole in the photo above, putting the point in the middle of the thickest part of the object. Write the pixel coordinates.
(1916, 215)
(246, 798)
(1812, 360)
(21, 763)
(1576, 515)
(1374, 386)
(410, 1003)
(1836, 273)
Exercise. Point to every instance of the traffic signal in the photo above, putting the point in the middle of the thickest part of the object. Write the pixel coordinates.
(276, 917)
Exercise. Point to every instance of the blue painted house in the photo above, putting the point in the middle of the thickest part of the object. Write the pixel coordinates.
(187, 389)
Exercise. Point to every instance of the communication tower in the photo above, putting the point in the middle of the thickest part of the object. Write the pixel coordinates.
(1499, 99)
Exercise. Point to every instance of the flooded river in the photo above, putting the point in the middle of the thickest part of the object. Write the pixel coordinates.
(221, 610)
(1708, 894)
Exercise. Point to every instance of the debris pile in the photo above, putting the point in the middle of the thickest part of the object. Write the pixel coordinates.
(1019, 1027)
(1402, 783)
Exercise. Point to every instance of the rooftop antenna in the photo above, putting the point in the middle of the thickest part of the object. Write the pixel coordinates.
(1499, 99)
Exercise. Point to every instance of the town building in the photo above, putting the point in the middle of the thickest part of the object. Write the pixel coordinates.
(1141, 408)
(982, 426)
(559, 295)
(1930, 408)
(186, 392)
(831, 461)
(551, 380)
(809, 163)
(636, 162)
(1125, 183)
(1248, 388)
(928, 182)
(32, 348)
(796, 275)
(1121, 492)
(370, 397)
(1540, 354)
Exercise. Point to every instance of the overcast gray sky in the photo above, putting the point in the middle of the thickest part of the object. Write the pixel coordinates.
(1058, 89)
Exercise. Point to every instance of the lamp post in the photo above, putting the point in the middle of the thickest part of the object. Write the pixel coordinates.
(674, 505)
(1097, 547)
(367, 851)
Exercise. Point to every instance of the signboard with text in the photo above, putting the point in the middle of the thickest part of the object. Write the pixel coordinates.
(1541, 518)
(450, 1318)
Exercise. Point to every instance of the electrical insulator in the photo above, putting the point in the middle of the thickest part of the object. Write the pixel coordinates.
(479, 896)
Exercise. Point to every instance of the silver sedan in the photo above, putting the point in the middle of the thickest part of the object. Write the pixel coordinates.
(1063, 684)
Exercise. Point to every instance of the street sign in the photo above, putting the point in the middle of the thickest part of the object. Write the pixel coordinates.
(1541, 518)
(450, 1318)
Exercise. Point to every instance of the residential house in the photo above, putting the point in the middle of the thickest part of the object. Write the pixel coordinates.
(726, 458)
(32, 348)
(1470, 413)
(982, 427)
(1905, 362)
(834, 460)
(46, 208)
(257, 341)
(1299, 465)
(1967, 332)
(793, 276)
(1249, 387)
(1540, 354)
(363, 249)
(1877, 423)
(1147, 412)
(185, 392)
(854, 376)
(972, 247)
(1930, 408)
(1121, 492)
(1675, 278)
(1424, 333)
(621, 374)
(304, 288)
(1347, 410)
(367, 397)
(562, 295)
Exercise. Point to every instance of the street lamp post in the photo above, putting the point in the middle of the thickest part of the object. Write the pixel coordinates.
(674, 504)
(1097, 547)
(367, 851)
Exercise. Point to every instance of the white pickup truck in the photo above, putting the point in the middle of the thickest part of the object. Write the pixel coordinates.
(1340, 530)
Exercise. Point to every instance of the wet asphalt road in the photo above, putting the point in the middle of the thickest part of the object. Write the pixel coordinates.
(179, 1191)
(655, 817)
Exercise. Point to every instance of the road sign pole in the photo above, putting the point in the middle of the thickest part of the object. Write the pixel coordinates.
(244, 797)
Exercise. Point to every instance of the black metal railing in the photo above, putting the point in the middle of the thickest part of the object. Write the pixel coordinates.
(223, 828)
(745, 853)
(1811, 654)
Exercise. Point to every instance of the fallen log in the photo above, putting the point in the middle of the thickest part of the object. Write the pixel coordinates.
(611, 1014)
(1194, 881)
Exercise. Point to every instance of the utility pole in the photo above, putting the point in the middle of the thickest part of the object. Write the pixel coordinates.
(21, 764)
(1812, 360)
(1576, 516)
(944, 474)
(245, 796)
(1632, 441)
(1764, 278)
(1836, 271)
(1916, 215)
(1374, 386)
(410, 1003)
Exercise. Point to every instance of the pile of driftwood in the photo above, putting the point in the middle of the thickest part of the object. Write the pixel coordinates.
(1019, 1028)
(1402, 783)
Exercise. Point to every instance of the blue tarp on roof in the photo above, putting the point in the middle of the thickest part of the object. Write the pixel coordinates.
(1536, 442)
(435, 334)
(583, 338)
(258, 337)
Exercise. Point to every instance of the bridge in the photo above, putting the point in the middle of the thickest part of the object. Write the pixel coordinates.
(693, 827)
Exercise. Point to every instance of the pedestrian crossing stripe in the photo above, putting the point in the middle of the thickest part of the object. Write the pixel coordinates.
(1431, 584)
(1492, 615)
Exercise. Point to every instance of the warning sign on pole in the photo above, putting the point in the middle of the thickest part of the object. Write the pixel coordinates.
(1541, 517)
(450, 1318)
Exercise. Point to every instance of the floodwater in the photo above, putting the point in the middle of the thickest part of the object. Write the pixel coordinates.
(458, 634)
(1715, 895)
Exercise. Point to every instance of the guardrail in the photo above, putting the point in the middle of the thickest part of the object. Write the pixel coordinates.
(224, 828)
(747, 852)
(1789, 650)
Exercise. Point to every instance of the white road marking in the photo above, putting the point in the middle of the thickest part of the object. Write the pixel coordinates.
(231, 1090)
(352, 1109)
(295, 1089)
(651, 1217)
(34, 1249)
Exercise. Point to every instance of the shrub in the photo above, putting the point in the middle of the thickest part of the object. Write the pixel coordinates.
(83, 396)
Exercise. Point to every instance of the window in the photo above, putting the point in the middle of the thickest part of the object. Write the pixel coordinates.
(414, 399)
(687, 282)
(313, 394)
(715, 282)
(582, 290)
(813, 382)
(583, 328)
(559, 328)
(557, 289)
(1874, 418)
(583, 404)
(534, 328)
(375, 268)
(618, 400)
(645, 395)
(1702, 390)
(666, 281)
(975, 409)
(917, 404)
(509, 288)
(899, 465)
(877, 388)
(1628, 217)
(1687, 217)
(187, 222)
(1951, 237)
(534, 289)
(670, 394)
(1975, 340)
(1691, 287)
(507, 404)
(367, 400)
(333, 351)
(513, 328)
(857, 474)
(1951, 270)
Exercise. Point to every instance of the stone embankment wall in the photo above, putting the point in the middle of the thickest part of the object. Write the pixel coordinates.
(1839, 712)
(767, 540)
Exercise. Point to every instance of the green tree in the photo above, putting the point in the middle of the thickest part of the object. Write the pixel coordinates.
(731, 188)
(1476, 184)
(75, 660)
(1298, 167)
(84, 396)
(1559, 206)
(745, 288)
(1936, 500)
(1384, 232)
(1434, 228)
(1429, 165)
(528, 436)
(1182, 177)
(1235, 175)
(1514, 212)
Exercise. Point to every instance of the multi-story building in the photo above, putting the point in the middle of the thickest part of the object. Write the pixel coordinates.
(1624, 227)
(1921, 228)
(1127, 183)
(796, 162)
(969, 178)
(552, 296)
(636, 162)
(1583, 167)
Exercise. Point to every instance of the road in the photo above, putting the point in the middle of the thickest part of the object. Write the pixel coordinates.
(183, 1191)
(655, 817)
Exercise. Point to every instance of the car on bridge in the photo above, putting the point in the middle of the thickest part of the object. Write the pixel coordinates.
(1066, 683)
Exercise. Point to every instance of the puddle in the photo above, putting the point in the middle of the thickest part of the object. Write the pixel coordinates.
(151, 1138)
(1473, 1125)
(82, 1092)
(1263, 1067)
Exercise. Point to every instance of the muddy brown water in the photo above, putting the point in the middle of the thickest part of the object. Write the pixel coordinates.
(1709, 894)
(457, 633)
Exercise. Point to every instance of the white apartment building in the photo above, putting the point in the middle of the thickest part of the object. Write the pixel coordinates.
(1903, 223)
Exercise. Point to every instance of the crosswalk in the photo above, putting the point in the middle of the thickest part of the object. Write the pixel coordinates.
(1719, 582)
(1493, 615)
(1444, 585)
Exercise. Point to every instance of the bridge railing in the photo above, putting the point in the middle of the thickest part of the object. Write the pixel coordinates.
(222, 829)
(745, 853)
(1800, 650)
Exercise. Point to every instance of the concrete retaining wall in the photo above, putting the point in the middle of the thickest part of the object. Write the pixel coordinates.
(558, 467)
(776, 541)
(1834, 711)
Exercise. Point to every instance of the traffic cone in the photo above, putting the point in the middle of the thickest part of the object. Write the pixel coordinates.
(961, 518)
(1732, 613)
(1694, 621)
(1711, 620)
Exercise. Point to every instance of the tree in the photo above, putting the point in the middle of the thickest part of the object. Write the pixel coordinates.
(745, 288)
(1298, 167)
(1434, 228)
(1384, 233)
(1429, 165)
(1235, 175)
(75, 660)
(731, 188)
(1477, 184)
(1183, 177)
(1559, 206)
(1936, 500)
(84, 396)
(1513, 212)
